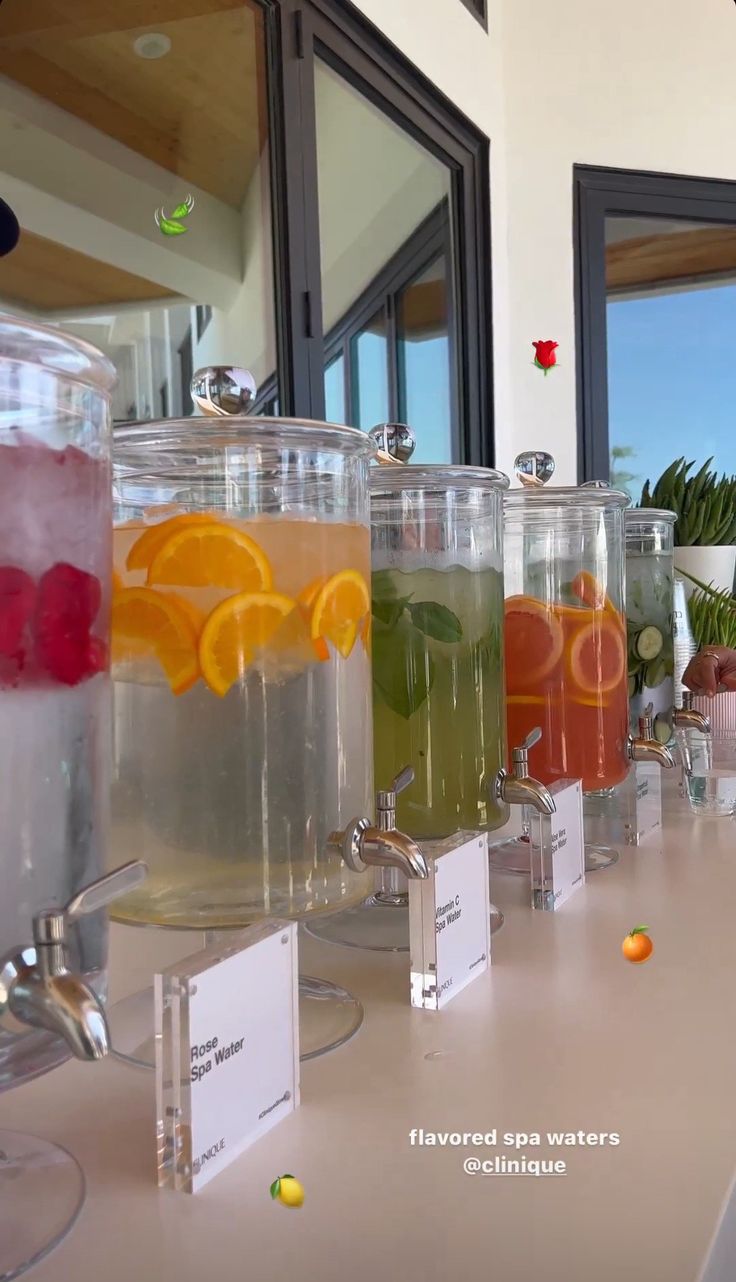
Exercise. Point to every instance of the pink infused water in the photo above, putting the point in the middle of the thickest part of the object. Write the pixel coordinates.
(55, 703)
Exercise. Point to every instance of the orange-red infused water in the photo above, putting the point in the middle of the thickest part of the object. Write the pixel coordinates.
(242, 713)
(566, 674)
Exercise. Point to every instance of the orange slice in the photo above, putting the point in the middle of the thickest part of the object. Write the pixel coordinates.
(235, 631)
(211, 555)
(365, 634)
(533, 642)
(306, 600)
(597, 658)
(145, 548)
(117, 582)
(592, 593)
(147, 622)
(339, 610)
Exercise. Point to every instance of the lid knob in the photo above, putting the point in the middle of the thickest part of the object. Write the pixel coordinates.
(394, 440)
(534, 468)
(221, 390)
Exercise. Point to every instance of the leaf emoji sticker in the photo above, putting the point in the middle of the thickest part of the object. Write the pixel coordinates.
(274, 1190)
(170, 228)
(181, 211)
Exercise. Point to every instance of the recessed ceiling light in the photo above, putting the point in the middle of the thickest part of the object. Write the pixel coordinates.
(152, 45)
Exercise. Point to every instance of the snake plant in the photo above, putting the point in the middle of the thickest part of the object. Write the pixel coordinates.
(705, 505)
(712, 615)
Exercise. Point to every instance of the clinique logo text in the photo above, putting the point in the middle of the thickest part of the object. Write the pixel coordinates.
(211, 1152)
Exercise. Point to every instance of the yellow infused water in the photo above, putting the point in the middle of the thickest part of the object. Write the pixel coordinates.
(438, 694)
(242, 691)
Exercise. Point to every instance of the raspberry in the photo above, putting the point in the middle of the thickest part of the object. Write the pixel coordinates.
(68, 603)
(17, 601)
(69, 596)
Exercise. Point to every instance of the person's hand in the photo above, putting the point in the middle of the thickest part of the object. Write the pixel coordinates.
(713, 666)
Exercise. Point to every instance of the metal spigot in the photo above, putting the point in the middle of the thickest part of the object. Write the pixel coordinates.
(686, 717)
(37, 989)
(395, 442)
(646, 747)
(518, 788)
(534, 468)
(221, 390)
(363, 845)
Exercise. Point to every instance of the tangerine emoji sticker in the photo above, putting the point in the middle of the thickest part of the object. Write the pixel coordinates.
(288, 1191)
(637, 946)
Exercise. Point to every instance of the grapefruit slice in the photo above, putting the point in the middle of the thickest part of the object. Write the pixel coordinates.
(533, 642)
(597, 658)
(591, 592)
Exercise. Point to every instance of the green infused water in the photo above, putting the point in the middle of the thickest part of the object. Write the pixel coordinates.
(438, 695)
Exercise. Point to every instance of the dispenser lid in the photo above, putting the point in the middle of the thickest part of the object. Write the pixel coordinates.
(567, 496)
(62, 355)
(432, 478)
(645, 515)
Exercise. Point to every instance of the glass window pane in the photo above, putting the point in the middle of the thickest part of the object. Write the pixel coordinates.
(105, 132)
(671, 310)
(369, 372)
(384, 206)
(335, 390)
(424, 364)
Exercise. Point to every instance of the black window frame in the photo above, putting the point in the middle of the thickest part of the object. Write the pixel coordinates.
(479, 10)
(633, 193)
(335, 32)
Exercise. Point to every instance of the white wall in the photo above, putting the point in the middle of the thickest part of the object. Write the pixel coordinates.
(640, 84)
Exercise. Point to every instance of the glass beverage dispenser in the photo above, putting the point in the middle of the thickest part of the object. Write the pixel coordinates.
(566, 640)
(649, 607)
(55, 699)
(438, 679)
(241, 626)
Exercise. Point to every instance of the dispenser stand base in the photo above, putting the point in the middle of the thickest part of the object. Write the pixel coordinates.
(328, 1017)
(380, 924)
(42, 1191)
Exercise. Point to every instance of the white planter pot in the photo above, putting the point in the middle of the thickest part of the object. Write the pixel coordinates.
(714, 565)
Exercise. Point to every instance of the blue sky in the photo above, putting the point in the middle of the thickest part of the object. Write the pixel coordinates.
(672, 379)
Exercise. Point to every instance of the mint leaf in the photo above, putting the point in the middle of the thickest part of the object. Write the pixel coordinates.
(382, 585)
(436, 621)
(390, 610)
(403, 669)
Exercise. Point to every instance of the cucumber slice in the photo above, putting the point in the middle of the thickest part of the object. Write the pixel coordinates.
(662, 729)
(655, 673)
(649, 643)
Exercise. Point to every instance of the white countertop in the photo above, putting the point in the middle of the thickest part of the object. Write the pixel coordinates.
(562, 1035)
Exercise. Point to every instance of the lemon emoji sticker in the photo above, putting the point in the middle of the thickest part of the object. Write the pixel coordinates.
(288, 1191)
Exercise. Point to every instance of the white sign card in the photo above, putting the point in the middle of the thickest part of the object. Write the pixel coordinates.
(643, 790)
(557, 848)
(227, 1051)
(449, 920)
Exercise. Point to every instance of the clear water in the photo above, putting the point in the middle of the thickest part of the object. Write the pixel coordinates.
(54, 755)
(712, 791)
(649, 602)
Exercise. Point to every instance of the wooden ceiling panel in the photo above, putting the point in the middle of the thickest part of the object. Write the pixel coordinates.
(658, 260)
(44, 276)
(198, 112)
